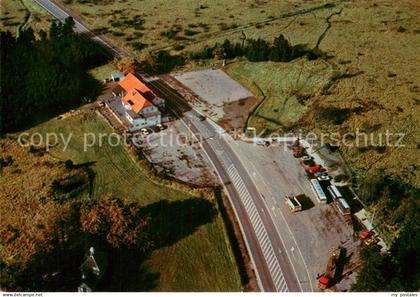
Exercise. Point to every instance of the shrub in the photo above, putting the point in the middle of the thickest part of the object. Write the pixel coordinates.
(138, 46)
(334, 114)
(69, 164)
(162, 62)
(117, 33)
(189, 32)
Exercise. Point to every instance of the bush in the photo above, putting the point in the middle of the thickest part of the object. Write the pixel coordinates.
(255, 50)
(189, 32)
(138, 45)
(334, 114)
(340, 178)
(69, 164)
(162, 62)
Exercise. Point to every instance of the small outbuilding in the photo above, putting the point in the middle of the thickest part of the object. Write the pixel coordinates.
(117, 76)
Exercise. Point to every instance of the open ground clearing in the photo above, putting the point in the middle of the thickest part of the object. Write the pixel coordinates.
(213, 86)
(215, 94)
(160, 24)
(199, 261)
(282, 88)
(177, 153)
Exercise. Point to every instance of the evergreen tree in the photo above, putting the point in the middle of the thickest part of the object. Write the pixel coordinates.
(46, 76)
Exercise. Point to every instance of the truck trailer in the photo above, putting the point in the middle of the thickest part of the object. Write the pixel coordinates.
(328, 276)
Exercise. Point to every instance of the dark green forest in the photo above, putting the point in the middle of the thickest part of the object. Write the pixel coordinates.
(42, 77)
(398, 206)
(256, 50)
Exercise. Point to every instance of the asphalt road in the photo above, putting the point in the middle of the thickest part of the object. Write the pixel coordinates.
(272, 266)
(61, 14)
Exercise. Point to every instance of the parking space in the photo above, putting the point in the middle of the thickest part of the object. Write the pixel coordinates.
(309, 234)
(174, 151)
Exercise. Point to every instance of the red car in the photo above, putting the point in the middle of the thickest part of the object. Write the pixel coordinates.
(315, 168)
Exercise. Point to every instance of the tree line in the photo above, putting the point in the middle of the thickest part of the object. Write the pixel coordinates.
(397, 206)
(256, 50)
(41, 77)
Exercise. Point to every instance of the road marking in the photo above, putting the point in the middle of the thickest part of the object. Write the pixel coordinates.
(259, 228)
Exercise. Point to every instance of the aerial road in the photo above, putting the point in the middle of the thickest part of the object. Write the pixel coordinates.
(61, 14)
(273, 268)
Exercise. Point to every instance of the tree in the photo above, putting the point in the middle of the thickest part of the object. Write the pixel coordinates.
(116, 221)
(127, 65)
(370, 279)
(68, 26)
(257, 50)
(47, 76)
(68, 164)
(162, 62)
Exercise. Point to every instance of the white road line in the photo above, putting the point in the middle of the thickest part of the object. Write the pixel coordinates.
(283, 288)
(266, 244)
(277, 274)
(259, 229)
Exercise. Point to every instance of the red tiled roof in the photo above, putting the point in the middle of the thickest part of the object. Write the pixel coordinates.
(137, 94)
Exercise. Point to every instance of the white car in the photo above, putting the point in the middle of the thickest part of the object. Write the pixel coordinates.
(323, 177)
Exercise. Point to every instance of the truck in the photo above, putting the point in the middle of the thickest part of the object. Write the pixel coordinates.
(298, 150)
(293, 203)
(325, 280)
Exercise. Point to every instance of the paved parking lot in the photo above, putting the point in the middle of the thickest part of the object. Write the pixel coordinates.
(213, 86)
(176, 152)
(308, 235)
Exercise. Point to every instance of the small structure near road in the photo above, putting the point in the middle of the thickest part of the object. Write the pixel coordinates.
(91, 273)
(293, 203)
(117, 76)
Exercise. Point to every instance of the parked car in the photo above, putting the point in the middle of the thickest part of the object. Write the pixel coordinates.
(145, 131)
(314, 168)
(306, 158)
(323, 177)
(262, 142)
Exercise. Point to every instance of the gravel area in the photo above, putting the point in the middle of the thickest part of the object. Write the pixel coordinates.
(174, 151)
(311, 233)
(213, 86)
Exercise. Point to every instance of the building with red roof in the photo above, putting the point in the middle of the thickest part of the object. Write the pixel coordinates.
(141, 104)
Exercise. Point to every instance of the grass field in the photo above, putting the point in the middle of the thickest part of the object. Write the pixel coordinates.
(142, 26)
(372, 47)
(284, 89)
(199, 258)
(16, 14)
